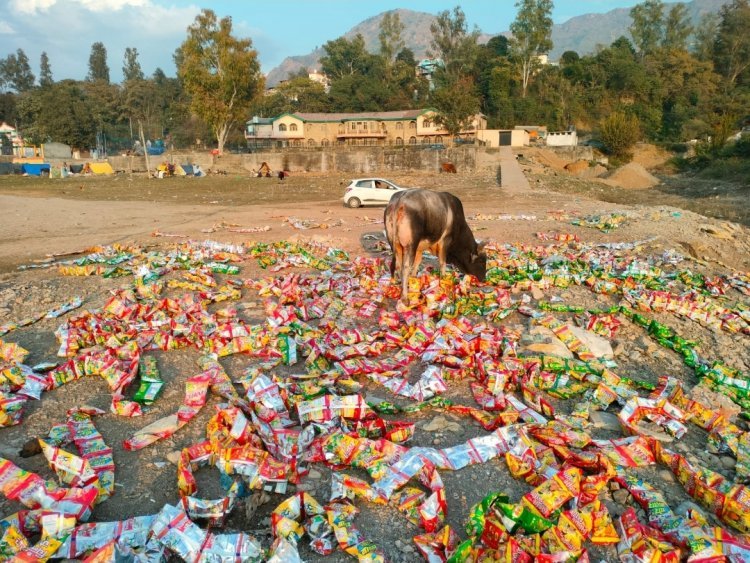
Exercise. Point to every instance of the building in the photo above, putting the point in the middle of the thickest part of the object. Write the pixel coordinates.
(385, 128)
(562, 139)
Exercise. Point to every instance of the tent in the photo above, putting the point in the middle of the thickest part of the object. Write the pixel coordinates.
(187, 169)
(101, 168)
(35, 168)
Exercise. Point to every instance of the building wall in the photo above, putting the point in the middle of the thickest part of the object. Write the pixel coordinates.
(562, 139)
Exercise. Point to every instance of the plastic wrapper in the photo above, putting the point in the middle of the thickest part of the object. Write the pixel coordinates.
(151, 382)
(174, 530)
(350, 539)
(302, 514)
(437, 547)
(132, 532)
(554, 493)
(11, 541)
(239, 547)
(328, 407)
(43, 550)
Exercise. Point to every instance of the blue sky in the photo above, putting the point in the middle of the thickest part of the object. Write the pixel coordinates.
(65, 29)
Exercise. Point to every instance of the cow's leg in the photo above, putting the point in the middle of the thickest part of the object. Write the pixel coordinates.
(397, 262)
(442, 255)
(407, 270)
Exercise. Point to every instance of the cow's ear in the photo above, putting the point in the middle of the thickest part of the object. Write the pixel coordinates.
(480, 246)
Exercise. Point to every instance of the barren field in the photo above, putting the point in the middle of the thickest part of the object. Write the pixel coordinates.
(559, 256)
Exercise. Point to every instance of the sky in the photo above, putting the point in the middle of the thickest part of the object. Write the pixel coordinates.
(66, 29)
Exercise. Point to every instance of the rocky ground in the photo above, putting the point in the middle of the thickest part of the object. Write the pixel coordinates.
(561, 226)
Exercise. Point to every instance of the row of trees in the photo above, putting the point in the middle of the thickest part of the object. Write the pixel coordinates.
(669, 81)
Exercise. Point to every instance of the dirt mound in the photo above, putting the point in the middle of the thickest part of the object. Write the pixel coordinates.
(578, 167)
(632, 176)
(545, 157)
(649, 156)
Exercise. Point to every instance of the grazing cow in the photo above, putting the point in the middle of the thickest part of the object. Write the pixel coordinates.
(448, 167)
(418, 220)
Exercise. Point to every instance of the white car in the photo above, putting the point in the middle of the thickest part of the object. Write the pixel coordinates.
(370, 191)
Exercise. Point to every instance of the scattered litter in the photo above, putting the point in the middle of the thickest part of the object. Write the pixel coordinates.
(334, 328)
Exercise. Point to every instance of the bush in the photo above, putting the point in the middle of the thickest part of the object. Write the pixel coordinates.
(619, 132)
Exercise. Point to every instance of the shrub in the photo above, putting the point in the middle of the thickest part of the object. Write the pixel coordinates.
(619, 132)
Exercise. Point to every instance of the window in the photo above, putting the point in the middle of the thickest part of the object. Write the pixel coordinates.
(325, 143)
(282, 127)
(399, 141)
(412, 125)
(427, 123)
(399, 125)
(426, 140)
(293, 127)
(412, 140)
(311, 142)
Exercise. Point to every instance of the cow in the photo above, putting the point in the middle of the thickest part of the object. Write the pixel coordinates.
(448, 167)
(418, 220)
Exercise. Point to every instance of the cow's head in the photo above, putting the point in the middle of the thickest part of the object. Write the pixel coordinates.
(478, 263)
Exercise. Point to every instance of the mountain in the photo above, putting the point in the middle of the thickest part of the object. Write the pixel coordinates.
(582, 34)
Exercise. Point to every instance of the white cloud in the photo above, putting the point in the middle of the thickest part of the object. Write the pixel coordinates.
(112, 5)
(6, 28)
(32, 6)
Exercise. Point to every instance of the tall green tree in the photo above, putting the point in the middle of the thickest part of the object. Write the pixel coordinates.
(453, 43)
(732, 45)
(98, 67)
(677, 28)
(60, 112)
(390, 36)
(532, 37)
(131, 67)
(457, 104)
(705, 35)
(345, 58)
(220, 72)
(647, 27)
(16, 72)
(45, 71)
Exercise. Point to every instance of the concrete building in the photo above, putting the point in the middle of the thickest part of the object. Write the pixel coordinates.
(384, 128)
(562, 139)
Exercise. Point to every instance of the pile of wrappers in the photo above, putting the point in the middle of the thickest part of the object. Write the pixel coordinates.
(333, 329)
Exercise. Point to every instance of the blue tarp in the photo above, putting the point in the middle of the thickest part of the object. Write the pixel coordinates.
(35, 168)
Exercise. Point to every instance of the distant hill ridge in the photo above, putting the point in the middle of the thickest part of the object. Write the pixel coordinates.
(581, 34)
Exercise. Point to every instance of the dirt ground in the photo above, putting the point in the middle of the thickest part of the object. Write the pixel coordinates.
(45, 221)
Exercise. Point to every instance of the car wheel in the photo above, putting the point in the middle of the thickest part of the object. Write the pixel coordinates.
(354, 202)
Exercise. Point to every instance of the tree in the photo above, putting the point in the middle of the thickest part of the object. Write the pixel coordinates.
(647, 28)
(16, 72)
(220, 73)
(60, 112)
(45, 71)
(705, 35)
(131, 68)
(345, 58)
(732, 46)
(457, 104)
(391, 41)
(407, 57)
(677, 28)
(619, 132)
(453, 44)
(98, 68)
(532, 36)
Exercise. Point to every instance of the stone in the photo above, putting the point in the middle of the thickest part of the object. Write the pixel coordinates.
(620, 496)
(173, 457)
(598, 345)
(541, 340)
(314, 474)
(728, 462)
(666, 475)
(605, 421)
(440, 423)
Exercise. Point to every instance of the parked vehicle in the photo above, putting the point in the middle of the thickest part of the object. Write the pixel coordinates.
(370, 191)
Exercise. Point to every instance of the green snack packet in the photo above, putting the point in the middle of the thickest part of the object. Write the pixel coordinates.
(515, 516)
(151, 381)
